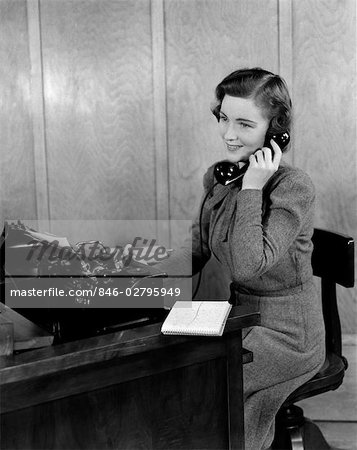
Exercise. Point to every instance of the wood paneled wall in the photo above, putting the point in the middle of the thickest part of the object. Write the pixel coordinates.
(105, 107)
(18, 192)
(324, 85)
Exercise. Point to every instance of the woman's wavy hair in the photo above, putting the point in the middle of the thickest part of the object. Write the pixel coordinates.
(269, 91)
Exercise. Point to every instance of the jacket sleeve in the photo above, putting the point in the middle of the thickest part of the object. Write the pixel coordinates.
(194, 253)
(257, 242)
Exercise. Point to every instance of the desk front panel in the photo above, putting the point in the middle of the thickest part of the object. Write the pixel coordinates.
(184, 408)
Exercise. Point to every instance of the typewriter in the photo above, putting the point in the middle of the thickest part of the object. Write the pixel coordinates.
(109, 289)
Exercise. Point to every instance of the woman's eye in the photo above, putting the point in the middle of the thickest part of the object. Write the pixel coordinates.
(244, 125)
(223, 118)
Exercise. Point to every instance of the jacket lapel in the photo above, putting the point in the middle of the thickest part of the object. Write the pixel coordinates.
(218, 194)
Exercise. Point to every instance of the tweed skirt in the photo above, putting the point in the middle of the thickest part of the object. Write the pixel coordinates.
(288, 349)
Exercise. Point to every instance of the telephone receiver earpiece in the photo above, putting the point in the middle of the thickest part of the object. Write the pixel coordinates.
(282, 139)
(226, 172)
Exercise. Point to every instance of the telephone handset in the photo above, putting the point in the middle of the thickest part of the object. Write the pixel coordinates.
(226, 172)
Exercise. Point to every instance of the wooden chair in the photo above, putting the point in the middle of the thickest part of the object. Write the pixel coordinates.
(333, 262)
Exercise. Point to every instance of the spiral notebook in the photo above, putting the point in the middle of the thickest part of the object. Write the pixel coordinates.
(203, 318)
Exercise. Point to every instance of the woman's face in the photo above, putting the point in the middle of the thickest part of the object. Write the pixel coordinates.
(242, 126)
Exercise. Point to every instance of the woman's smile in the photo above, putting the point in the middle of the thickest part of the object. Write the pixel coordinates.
(233, 147)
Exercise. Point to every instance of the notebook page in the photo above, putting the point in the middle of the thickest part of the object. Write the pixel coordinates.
(205, 318)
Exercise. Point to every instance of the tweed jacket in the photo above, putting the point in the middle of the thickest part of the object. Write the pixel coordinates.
(262, 237)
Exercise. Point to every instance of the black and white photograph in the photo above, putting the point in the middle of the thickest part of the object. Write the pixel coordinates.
(178, 222)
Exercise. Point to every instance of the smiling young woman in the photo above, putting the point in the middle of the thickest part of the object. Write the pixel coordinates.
(260, 230)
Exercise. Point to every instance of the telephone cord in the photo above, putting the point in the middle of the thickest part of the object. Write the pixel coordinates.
(201, 243)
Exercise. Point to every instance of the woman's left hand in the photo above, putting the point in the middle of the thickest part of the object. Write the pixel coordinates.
(262, 165)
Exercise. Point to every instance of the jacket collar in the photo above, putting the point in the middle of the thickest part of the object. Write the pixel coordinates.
(219, 193)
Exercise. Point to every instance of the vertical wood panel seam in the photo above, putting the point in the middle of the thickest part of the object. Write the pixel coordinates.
(160, 112)
(37, 112)
(278, 27)
(355, 83)
(285, 45)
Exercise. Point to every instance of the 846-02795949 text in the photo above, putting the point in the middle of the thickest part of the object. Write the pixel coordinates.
(101, 292)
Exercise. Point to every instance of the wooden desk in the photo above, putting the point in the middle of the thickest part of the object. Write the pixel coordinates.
(26, 334)
(132, 389)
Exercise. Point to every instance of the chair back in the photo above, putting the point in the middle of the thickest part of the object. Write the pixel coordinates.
(333, 262)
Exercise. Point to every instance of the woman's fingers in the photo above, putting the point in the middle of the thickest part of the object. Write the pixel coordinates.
(277, 154)
(252, 161)
(259, 155)
(262, 165)
(267, 156)
(263, 157)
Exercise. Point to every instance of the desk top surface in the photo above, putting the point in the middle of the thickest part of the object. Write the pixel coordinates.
(106, 347)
